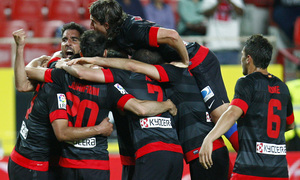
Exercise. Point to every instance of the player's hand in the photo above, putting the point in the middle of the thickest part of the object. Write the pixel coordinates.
(83, 60)
(61, 63)
(205, 154)
(105, 127)
(173, 109)
(19, 37)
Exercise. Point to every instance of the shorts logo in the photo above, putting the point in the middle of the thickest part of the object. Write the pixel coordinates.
(155, 122)
(24, 130)
(85, 143)
(272, 149)
(61, 101)
(208, 119)
(207, 93)
(120, 88)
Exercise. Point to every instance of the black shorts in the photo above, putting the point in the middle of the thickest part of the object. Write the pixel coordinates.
(219, 169)
(17, 172)
(209, 80)
(162, 165)
(127, 172)
(84, 174)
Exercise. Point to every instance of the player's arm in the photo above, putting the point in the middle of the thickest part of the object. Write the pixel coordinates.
(120, 63)
(172, 38)
(65, 133)
(22, 83)
(36, 73)
(85, 73)
(150, 108)
(225, 122)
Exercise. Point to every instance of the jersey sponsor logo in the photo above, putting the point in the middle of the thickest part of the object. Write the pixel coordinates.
(272, 149)
(208, 119)
(120, 88)
(274, 89)
(155, 122)
(207, 93)
(61, 101)
(24, 130)
(85, 143)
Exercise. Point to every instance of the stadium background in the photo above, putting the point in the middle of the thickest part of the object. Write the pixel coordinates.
(36, 20)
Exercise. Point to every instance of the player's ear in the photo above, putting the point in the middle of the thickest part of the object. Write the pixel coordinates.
(105, 53)
(106, 26)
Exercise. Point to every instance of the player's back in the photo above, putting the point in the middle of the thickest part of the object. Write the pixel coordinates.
(261, 130)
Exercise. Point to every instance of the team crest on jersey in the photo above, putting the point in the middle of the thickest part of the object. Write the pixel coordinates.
(207, 93)
(273, 149)
(24, 130)
(120, 88)
(155, 122)
(61, 101)
(85, 143)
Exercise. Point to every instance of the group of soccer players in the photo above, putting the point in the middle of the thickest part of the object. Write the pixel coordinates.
(153, 135)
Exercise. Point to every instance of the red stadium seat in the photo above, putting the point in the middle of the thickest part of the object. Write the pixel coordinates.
(7, 27)
(47, 28)
(27, 10)
(65, 10)
(297, 32)
(86, 4)
(2, 8)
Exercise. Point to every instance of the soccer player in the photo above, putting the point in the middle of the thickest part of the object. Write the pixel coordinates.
(132, 32)
(154, 137)
(193, 121)
(263, 109)
(89, 103)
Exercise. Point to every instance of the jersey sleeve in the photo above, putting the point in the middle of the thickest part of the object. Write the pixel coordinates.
(56, 76)
(168, 73)
(118, 95)
(112, 75)
(141, 32)
(243, 94)
(57, 103)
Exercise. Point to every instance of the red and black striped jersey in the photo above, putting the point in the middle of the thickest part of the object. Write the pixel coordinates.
(87, 105)
(267, 109)
(36, 141)
(149, 134)
(192, 121)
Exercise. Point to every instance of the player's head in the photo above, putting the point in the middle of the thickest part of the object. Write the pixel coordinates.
(107, 17)
(92, 44)
(70, 40)
(148, 56)
(260, 49)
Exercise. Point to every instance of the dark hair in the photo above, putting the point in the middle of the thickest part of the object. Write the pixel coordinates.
(92, 43)
(111, 12)
(148, 56)
(73, 26)
(260, 49)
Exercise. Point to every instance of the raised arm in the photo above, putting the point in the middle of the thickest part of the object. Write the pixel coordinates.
(22, 83)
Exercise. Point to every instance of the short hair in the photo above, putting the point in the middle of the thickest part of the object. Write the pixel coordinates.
(72, 26)
(92, 43)
(148, 56)
(111, 12)
(260, 49)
